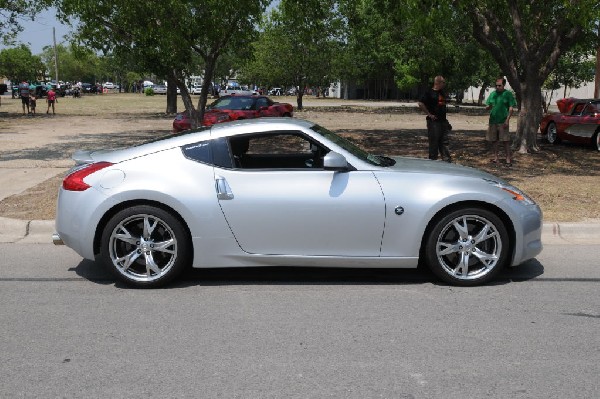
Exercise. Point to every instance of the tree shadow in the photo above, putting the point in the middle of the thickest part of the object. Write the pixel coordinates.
(469, 148)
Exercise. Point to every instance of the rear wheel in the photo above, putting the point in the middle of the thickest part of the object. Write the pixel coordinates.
(145, 246)
(596, 140)
(467, 247)
(552, 134)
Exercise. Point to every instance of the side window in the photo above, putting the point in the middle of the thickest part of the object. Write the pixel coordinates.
(281, 144)
(591, 109)
(199, 152)
(211, 152)
(261, 102)
(276, 150)
(578, 109)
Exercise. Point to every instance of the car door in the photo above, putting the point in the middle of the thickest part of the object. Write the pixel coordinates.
(303, 210)
(265, 108)
(588, 121)
(567, 122)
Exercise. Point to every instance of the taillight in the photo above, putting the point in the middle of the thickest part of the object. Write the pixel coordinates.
(74, 181)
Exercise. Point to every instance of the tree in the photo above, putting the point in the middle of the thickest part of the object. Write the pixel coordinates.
(371, 47)
(18, 64)
(13, 13)
(76, 64)
(414, 42)
(296, 45)
(574, 68)
(527, 40)
(163, 36)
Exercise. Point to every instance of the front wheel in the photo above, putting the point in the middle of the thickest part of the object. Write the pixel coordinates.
(467, 247)
(552, 134)
(596, 140)
(145, 246)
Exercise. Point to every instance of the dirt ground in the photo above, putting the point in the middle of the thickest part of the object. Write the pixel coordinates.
(564, 179)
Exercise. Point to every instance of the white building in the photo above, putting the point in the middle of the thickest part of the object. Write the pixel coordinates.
(585, 91)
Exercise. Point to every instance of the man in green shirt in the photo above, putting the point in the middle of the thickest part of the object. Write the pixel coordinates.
(501, 103)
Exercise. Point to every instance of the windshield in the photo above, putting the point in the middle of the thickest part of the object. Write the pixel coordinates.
(352, 148)
(233, 102)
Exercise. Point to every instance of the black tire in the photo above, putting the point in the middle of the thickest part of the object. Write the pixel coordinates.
(596, 140)
(145, 246)
(473, 236)
(552, 134)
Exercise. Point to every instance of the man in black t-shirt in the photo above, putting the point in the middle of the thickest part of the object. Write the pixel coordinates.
(433, 103)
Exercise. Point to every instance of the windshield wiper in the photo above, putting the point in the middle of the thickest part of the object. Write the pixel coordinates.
(386, 161)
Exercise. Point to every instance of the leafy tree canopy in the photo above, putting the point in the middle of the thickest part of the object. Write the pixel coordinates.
(18, 64)
(15, 13)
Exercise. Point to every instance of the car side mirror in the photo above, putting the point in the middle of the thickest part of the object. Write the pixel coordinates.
(335, 161)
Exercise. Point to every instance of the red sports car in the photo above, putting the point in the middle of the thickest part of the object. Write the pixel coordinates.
(578, 122)
(231, 108)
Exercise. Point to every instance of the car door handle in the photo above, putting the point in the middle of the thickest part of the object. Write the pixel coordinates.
(223, 190)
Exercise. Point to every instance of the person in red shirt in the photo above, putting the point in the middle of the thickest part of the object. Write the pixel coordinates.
(51, 100)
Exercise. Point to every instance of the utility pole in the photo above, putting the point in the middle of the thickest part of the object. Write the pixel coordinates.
(597, 80)
(55, 57)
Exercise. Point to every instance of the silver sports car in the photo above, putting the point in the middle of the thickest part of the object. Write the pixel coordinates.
(285, 192)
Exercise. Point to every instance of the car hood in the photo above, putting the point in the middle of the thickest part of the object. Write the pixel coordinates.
(565, 104)
(416, 165)
(220, 111)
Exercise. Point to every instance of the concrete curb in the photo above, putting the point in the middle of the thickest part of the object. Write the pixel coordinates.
(571, 233)
(12, 230)
(40, 232)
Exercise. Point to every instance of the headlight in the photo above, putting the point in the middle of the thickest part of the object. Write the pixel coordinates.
(517, 194)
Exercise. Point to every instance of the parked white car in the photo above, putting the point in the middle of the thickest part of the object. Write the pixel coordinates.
(236, 90)
(108, 85)
(196, 89)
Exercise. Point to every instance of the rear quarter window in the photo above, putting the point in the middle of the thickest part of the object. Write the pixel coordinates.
(212, 152)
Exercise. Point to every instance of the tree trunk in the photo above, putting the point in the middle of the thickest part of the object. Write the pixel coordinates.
(171, 95)
(185, 96)
(207, 79)
(481, 94)
(529, 118)
(299, 99)
(597, 74)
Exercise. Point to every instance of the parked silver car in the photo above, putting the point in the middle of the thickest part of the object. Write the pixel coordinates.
(159, 89)
(286, 192)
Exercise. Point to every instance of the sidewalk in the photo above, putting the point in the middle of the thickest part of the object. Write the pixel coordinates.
(40, 232)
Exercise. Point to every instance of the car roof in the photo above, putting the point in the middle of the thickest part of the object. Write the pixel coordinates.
(242, 96)
(245, 126)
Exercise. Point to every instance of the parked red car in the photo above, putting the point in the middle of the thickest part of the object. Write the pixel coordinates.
(231, 108)
(578, 122)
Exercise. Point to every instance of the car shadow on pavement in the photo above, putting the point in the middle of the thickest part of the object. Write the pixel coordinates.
(96, 273)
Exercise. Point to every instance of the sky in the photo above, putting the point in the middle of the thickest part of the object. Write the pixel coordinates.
(38, 33)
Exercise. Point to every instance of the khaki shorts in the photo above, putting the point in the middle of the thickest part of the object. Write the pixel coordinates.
(498, 132)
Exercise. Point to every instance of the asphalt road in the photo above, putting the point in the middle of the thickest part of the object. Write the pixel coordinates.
(68, 330)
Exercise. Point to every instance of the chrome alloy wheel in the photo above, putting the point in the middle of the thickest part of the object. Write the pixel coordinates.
(143, 248)
(469, 247)
(551, 133)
